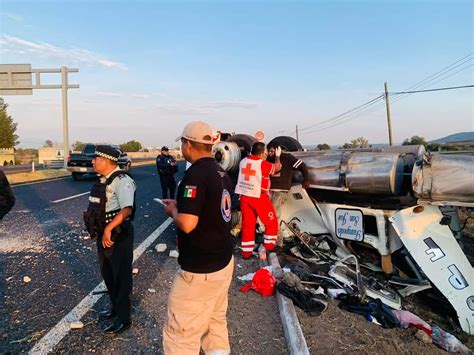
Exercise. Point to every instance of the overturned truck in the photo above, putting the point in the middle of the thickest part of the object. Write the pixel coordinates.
(400, 202)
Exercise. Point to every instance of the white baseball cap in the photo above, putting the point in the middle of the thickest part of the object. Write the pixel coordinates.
(197, 131)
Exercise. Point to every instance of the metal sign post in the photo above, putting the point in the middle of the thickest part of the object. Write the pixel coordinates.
(16, 79)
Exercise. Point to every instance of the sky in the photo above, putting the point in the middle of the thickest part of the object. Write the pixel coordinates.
(146, 68)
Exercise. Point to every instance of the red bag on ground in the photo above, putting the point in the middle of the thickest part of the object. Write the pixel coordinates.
(263, 282)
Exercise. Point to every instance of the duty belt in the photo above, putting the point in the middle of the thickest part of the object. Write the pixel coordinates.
(109, 216)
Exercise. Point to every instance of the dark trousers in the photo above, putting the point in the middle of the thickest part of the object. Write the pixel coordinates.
(116, 268)
(168, 184)
(4, 210)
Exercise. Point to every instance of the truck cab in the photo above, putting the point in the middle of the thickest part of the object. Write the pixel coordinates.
(80, 164)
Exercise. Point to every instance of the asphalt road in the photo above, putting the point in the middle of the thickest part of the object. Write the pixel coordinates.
(45, 241)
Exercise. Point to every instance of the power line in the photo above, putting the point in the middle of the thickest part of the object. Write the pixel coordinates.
(425, 82)
(356, 114)
(439, 89)
(347, 118)
(464, 60)
(356, 111)
(429, 82)
(340, 116)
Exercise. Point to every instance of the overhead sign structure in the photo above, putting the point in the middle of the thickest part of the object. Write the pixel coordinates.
(17, 79)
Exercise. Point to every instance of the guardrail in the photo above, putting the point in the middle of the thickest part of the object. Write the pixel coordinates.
(55, 164)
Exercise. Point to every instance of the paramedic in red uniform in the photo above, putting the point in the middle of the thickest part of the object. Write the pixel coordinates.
(253, 185)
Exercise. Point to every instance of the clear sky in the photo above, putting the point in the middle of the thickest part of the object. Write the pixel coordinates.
(148, 67)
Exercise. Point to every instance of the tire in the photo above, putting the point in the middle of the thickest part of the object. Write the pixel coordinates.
(287, 143)
(244, 141)
(76, 176)
(128, 167)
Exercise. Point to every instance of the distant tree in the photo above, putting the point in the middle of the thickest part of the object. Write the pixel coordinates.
(415, 140)
(48, 143)
(360, 142)
(131, 146)
(324, 146)
(8, 138)
(433, 147)
(346, 146)
(77, 145)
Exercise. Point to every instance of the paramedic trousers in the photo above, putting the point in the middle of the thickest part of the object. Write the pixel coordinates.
(197, 313)
(253, 207)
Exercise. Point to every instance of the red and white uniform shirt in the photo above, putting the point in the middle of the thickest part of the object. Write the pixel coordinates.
(254, 177)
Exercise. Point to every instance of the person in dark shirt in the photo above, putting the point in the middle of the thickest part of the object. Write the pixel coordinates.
(167, 166)
(7, 198)
(197, 303)
(282, 181)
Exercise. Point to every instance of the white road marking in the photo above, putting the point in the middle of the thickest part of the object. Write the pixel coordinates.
(71, 197)
(58, 332)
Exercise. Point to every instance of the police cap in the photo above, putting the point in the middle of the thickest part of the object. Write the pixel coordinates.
(107, 151)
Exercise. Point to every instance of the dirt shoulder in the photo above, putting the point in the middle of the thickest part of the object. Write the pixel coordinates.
(47, 174)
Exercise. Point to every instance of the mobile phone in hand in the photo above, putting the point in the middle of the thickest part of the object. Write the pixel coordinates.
(160, 201)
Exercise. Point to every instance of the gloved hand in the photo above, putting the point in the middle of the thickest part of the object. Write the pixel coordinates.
(278, 151)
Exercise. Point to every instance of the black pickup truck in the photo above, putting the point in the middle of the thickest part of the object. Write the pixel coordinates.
(81, 163)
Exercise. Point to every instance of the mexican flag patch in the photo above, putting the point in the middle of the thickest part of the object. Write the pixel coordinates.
(190, 191)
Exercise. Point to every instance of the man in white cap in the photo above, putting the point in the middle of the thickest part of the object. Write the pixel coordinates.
(197, 304)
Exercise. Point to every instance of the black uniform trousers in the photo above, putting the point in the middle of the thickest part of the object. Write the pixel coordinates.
(168, 184)
(116, 268)
(4, 210)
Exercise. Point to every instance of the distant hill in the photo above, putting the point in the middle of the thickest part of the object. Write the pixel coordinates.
(463, 136)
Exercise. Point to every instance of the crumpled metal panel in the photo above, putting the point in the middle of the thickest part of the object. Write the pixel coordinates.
(444, 178)
(438, 254)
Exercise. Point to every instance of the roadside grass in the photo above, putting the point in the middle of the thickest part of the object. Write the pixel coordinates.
(47, 174)
(19, 178)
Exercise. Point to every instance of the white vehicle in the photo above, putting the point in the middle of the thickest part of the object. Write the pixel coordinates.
(398, 201)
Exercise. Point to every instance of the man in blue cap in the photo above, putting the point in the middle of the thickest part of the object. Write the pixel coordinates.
(109, 219)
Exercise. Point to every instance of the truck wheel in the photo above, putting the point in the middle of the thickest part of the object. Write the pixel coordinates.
(243, 140)
(76, 176)
(288, 143)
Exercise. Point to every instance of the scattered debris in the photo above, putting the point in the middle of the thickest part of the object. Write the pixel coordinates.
(408, 319)
(448, 341)
(135, 270)
(160, 248)
(249, 277)
(8, 279)
(76, 325)
(174, 254)
(336, 292)
(151, 290)
(422, 336)
(26, 279)
(372, 288)
(146, 215)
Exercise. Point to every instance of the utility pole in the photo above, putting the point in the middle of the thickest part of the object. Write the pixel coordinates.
(64, 83)
(389, 120)
(297, 135)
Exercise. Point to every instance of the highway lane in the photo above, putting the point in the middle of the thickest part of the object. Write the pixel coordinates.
(46, 242)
